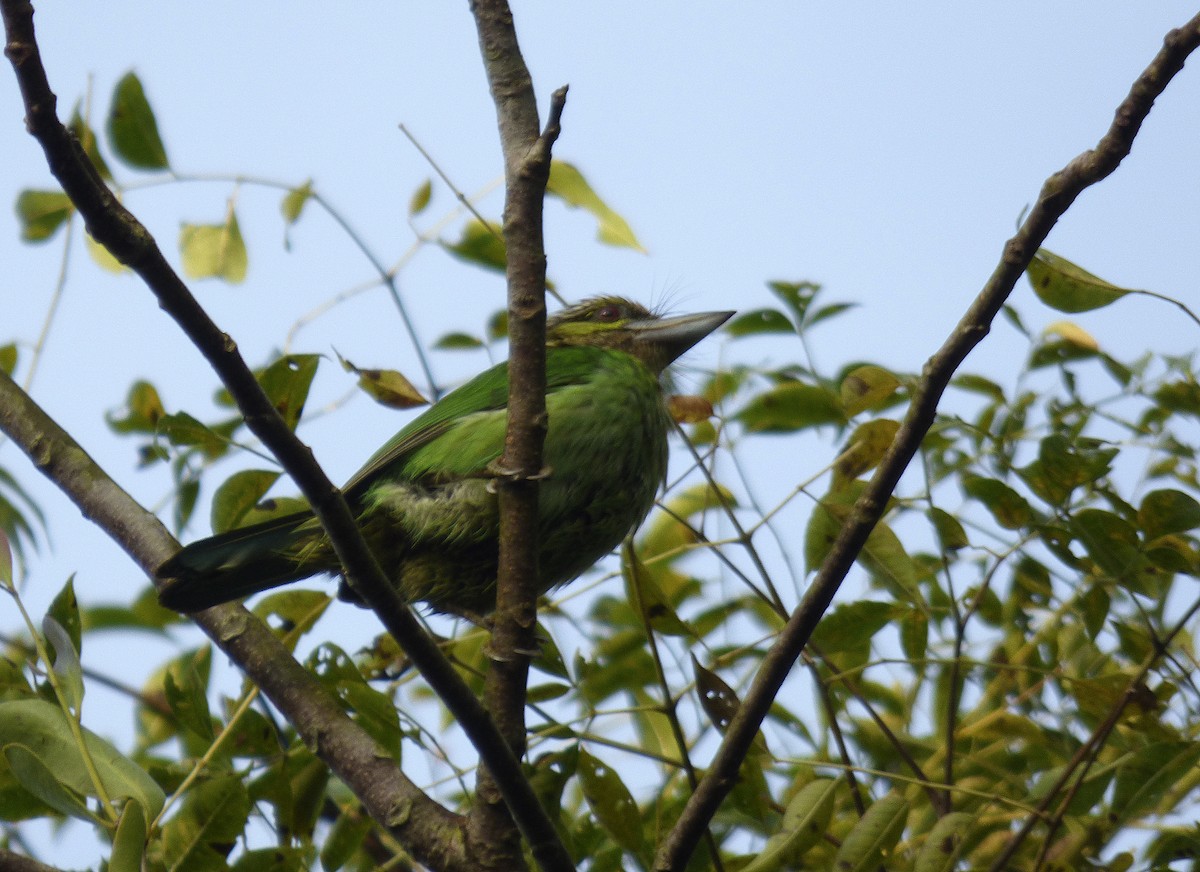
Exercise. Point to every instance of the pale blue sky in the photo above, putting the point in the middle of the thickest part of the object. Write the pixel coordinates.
(884, 150)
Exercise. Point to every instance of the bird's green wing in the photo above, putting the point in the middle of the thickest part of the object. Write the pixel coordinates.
(464, 431)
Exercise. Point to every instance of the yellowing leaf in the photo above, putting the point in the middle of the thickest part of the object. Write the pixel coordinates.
(864, 449)
(41, 213)
(420, 199)
(689, 409)
(1074, 334)
(294, 202)
(867, 387)
(1066, 287)
(387, 387)
(214, 250)
(569, 185)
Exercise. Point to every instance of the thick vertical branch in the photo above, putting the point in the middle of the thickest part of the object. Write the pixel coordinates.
(526, 172)
(1057, 195)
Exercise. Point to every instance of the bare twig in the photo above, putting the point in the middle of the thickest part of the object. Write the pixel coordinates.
(1057, 195)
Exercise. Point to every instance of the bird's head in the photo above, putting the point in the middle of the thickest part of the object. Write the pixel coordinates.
(614, 322)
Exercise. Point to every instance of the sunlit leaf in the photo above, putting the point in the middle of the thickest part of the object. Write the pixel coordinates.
(689, 409)
(294, 201)
(867, 387)
(132, 128)
(480, 245)
(388, 387)
(239, 494)
(791, 406)
(420, 198)
(864, 449)
(214, 250)
(568, 184)
(1066, 287)
(41, 213)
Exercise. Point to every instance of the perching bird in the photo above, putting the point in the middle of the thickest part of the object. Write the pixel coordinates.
(424, 501)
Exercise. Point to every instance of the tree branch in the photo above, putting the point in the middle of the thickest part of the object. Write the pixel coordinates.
(526, 172)
(348, 750)
(1057, 195)
(120, 232)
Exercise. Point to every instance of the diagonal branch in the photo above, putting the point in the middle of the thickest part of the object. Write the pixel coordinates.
(120, 232)
(349, 750)
(1057, 195)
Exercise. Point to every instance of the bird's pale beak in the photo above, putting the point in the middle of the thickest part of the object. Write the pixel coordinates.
(671, 337)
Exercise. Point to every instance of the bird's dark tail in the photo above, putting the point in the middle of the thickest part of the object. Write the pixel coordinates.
(233, 565)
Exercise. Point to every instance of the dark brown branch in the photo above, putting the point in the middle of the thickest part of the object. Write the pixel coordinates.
(119, 231)
(1057, 195)
(11, 861)
(348, 750)
(526, 172)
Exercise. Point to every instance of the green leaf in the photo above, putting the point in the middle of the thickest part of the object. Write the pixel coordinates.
(6, 561)
(1009, 508)
(41, 213)
(1111, 541)
(851, 625)
(66, 663)
(214, 250)
(8, 358)
(868, 845)
(43, 729)
(642, 589)
(797, 296)
(480, 245)
(36, 776)
(805, 822)
(944, 843)
(458, 342)
(759, 321)
(188, 701)
(791, 406)
(87, 140)
(1168, 511)
(1145, 778)
(102, 257)
(286, 383)
(64, 609)
(719, 701)
(1066, 287)
(184, 431)
(867, 387)
(950, 532)
(345, 838)
(129, 842)
(142, 412)
(132, 129)
(864, 449)
(611, 803)
(213, 818)
(569, 185)
(420, 198)
(239, 494)
(294, 202)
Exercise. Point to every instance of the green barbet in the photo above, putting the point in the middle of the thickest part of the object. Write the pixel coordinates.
(426, 503)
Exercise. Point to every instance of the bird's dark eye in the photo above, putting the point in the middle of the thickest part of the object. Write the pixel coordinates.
(608, 313)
